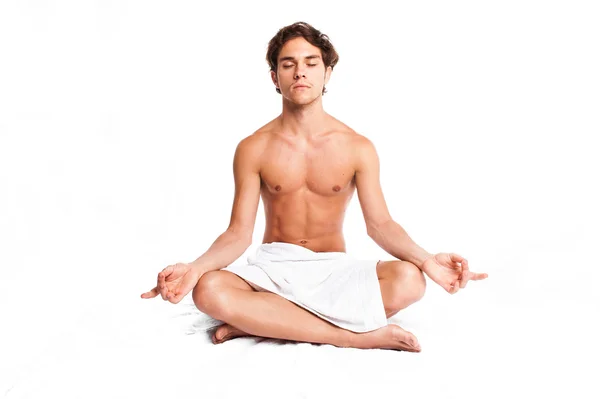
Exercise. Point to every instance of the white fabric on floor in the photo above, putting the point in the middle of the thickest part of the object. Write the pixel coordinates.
(504, 337)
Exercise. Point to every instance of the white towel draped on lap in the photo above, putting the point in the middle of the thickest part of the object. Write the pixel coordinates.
(332, 285)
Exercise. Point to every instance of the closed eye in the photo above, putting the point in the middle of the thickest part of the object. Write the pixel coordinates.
(289, 66)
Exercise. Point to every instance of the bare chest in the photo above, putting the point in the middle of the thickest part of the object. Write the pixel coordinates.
(326, 170)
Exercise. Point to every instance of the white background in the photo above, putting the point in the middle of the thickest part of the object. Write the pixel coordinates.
(119, 120)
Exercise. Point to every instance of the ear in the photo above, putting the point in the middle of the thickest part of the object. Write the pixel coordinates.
(274, 79)
(327, 74)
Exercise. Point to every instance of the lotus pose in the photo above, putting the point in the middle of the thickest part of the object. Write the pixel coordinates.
(301, 285)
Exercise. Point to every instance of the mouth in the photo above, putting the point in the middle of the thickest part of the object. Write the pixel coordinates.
(300, 87)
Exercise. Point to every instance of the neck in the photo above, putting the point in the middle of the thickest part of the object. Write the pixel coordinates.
(303, 120)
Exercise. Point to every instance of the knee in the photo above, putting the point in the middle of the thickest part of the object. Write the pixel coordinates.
(414, 279)
(208, 294)
(409, 284)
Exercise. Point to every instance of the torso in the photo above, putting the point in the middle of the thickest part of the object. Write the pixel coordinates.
(306, 186)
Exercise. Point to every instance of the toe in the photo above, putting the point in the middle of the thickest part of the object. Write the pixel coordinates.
(413, 341)
(220, 334)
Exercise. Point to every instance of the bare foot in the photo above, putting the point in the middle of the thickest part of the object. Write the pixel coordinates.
(227, 332)
(391, 336)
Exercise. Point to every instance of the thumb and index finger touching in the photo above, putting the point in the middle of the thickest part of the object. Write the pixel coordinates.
(466, 274)
(465, 268)
(160, 281)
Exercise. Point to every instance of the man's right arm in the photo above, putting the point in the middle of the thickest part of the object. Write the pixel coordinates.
(230, 245)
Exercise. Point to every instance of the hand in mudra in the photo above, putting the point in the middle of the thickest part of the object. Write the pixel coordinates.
(175, 282)
(450, 271)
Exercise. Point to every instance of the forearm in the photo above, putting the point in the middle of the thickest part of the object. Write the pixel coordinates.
(393, 239)
(228, 247)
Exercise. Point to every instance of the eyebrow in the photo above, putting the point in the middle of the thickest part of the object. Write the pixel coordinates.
(308, 57)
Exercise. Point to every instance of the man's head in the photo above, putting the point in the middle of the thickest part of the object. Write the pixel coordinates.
(301, 55)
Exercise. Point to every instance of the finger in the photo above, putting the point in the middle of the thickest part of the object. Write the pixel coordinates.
(174, 297)
(478, 276)
(459, 262)
(456, 258)
(170, 295)
(167, 271)
(475, 276)
(150, 294)
(465, 264)
(454, 287)
(163, 276)
(464, 278)
(162, 284)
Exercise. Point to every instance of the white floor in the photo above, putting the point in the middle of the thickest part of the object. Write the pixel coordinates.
(513, 335)
(118, 125)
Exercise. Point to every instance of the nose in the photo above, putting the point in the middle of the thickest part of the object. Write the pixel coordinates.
(299, 73)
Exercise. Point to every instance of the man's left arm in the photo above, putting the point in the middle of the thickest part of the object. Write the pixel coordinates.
(388, 234)
(449, 270)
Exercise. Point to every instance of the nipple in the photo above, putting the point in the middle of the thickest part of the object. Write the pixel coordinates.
(336, 188)
(278, 188)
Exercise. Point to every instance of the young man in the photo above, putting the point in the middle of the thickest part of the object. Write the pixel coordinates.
(301, 285)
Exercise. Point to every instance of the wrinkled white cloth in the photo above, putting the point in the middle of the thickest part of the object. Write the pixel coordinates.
(333, 285)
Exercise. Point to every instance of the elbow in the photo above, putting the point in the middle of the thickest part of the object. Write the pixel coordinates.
(371, 230)
(376, 229)
(241, 236)
(245, 239)
(247, 242)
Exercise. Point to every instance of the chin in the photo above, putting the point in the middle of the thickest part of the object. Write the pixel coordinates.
(302, 99)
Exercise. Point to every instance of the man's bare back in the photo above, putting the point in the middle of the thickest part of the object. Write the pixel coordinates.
(305, 184)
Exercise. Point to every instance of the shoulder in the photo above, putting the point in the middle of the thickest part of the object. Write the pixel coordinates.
(357, 141)
(358, 145)
(362, 149)
(365, 153)
(362, 143)
(250, 150)
(254, 144)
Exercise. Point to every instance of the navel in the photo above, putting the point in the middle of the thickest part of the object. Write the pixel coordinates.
(278, 188)
(336, 188)
(303, 242)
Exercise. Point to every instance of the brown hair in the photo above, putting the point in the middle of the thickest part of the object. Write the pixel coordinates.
(311, 35)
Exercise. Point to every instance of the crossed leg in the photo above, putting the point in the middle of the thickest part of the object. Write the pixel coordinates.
(227, 297)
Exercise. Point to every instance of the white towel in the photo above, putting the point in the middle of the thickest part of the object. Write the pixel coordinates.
(332, 285)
